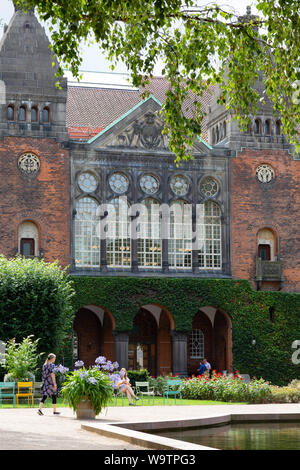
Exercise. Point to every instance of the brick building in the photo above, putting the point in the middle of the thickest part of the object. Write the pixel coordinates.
(87, 178)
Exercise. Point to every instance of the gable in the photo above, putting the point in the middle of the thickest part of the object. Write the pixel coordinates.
(140, 128)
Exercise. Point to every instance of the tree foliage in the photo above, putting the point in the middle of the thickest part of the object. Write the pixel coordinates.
(200, 45)
(35, 299)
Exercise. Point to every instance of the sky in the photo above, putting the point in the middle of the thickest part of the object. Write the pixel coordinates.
(93, 59)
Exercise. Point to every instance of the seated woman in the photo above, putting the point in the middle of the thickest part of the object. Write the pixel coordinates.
(124, 386)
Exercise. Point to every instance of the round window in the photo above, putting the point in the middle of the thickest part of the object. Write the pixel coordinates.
(87, 182)
(119, 183)
(209, 186)
(29, 164)
(179, 185)
(265, 173)
(149, 184)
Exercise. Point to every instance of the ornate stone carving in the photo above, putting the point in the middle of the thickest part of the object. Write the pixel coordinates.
(29, 164)
(146, 133)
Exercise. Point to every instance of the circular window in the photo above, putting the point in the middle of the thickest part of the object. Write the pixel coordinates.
(29, 164)
(209, 186)
(87, 182)
(149, 184)
(179, 185)
(119, 183)
(265, 173)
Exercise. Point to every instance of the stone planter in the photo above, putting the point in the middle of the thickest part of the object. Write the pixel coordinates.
(85, 410)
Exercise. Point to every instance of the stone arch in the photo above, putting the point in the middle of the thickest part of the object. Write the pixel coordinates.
(150, 344)
(215, 325)
(29, 230)
(94, 326)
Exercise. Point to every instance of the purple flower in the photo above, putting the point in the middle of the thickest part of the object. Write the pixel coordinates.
(100, 360)
(83, 375)
(115, 379)
(116, 365)
(92, 380)
(79, 364)
(61, 369)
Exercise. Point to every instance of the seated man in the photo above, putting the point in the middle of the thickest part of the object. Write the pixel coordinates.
(202, 368)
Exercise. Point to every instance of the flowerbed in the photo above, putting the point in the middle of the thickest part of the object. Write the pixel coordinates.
(288, 394)
(229, 388)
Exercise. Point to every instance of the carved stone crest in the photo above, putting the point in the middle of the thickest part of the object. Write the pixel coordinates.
(146, 133)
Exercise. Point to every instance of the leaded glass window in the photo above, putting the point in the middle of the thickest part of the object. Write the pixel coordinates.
(118, 246)
(179, 185)
(209, 237)
(87, 242)
(196, 342)
(119, 183)
(87, 182)
(29, 164)
(149, 184)
(209, 186)
(180, 236)
(149, 235)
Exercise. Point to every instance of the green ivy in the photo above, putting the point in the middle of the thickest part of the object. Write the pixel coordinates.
(248, 309)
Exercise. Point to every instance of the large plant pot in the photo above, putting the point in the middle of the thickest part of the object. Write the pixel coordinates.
(85, 410)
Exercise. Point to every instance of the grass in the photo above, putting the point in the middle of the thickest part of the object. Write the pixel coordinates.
(158, 401)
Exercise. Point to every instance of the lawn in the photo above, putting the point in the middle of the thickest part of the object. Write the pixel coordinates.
(158, 401)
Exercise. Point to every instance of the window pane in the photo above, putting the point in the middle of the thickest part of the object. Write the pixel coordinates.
(118, 245)
(87, 243)
(180, 236)
(149, 241)
(10, 113)
(209, 236)
(196, 341)
(34, 115)
(45, 115)
(22, 114)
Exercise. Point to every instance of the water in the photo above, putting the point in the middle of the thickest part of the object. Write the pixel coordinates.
(250, 436)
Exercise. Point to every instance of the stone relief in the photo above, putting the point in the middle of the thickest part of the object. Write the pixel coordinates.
(146, 132)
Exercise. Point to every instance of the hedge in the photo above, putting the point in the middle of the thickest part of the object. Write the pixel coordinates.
(35, 299)
(249, 310)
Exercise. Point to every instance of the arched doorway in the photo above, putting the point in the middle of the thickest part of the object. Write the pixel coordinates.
(150, 341)
(210, 338)
(93, 327)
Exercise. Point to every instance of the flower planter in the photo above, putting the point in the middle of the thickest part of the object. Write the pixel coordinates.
(85, 410)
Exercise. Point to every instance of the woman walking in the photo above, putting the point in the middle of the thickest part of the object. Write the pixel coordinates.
(49, 388)
(125, 387)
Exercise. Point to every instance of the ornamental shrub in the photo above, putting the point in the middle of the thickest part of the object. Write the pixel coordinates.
(229, 388)
(21, 360)
(35, 299)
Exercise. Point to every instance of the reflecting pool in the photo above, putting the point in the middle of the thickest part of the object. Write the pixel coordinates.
(250, 436)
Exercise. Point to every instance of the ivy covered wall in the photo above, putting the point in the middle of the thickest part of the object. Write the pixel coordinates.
(270, 357)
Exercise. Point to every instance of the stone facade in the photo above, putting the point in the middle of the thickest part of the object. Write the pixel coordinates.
(55, 192)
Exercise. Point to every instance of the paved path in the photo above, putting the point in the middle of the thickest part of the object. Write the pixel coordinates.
(25, 429)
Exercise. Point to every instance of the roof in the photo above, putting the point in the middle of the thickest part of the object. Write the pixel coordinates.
(96, 107)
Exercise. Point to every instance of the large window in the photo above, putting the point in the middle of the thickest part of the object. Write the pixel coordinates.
(196, 342)
(87, 243)
(180, 235)
(149, 235)
(28, 235)
(209, 235)
(118, 235)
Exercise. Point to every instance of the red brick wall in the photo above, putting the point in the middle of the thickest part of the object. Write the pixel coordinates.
(273, 205)
(44, 200)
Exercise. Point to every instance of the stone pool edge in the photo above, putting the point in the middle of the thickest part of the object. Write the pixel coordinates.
(136, 432)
